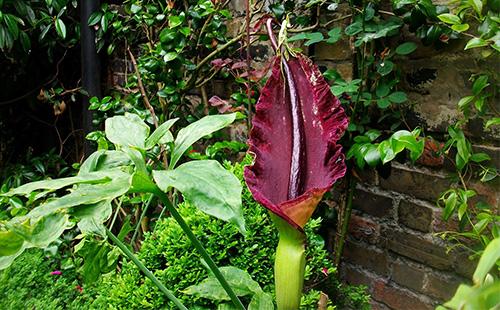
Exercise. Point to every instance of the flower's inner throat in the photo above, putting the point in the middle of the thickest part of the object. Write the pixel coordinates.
(298, 156)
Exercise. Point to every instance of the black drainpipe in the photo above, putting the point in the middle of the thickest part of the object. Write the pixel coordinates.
(91, 68)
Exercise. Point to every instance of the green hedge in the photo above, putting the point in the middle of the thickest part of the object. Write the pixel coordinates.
(29, 284)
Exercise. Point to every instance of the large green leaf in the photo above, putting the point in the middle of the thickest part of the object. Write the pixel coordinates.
(209, 186)
(87, 194)
(161, 134)
(91, 217)
(488, 259)
(261, 301)
(127, 130)
(52, 185)
(48, 229)
(104, 159)
(5, 261)
(10, 243)
(240, 281)
(197, 130)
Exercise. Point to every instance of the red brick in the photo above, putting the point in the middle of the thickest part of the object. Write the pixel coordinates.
(367, 257)
(440, 225)
(442, 287)
(426, 250)
(364, 229)
(356, 276)
(463, 265)
(378, 306)
(420, 183)
(373, 204)
(408, 275)
(415, 215)
(399, 298)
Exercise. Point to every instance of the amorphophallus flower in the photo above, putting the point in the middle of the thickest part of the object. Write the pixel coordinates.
(294, 138)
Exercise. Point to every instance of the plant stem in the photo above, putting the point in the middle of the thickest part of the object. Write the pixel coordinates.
(289, 265)
(145, 270)
(146, 207)
(351, 185)
(199, 247)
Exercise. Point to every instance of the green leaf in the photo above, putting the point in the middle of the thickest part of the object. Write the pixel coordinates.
(383, 103)
(313, 38)
(406, 48)
(197, 130)
(10, 243)
(48, 229)
(477, 5)
(450, 205)
(476, 42)
(102, 160)
(11, 22)
(95, 18)
(479, 157)
(385, 67)
(460, 27)
(261, 301)
(6, 261)
(450, 19)
(297, 37)
(175, 21)
(127, 130)
(492, 122)
(170, 56)
(161, 135)
(371, 155)
(240, 281)
(382, 90)
(386, 152)
(118, 184)
(52, 185)
(91, 217)
(479, 84)
(488, 259)
(398, 97)
(207, 185)
(61, 28)
(334, 35)
(465, 101)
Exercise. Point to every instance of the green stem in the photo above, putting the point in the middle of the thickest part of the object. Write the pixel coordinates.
(346, 216)
(143, 214)
(197, 244)
(289, 265)
(145, 270)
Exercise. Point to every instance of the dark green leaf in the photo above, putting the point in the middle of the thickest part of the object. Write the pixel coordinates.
(383, 103)
(406, 48)
(385, 67)
(95, 18)
(61, 28)
(398, 97)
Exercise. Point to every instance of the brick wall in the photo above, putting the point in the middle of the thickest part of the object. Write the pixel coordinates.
(392, 245)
